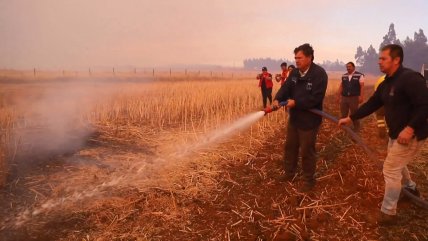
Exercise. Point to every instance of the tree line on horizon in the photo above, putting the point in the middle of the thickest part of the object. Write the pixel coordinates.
(274, 64)
(415, 55)
(415, 51)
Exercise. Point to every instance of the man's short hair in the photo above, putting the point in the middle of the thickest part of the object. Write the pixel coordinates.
(351, 63)
(395, 51)
(306, 49)
(284, 64)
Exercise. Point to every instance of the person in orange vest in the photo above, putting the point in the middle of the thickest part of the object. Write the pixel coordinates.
(266, 84)
(283, 76)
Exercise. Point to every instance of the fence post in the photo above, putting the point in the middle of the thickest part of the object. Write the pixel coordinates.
(34, 71)
(153, 72)
(114, 72)
(170, 72)
(90, 72)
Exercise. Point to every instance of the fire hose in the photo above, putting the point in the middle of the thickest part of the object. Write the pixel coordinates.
(373, 156)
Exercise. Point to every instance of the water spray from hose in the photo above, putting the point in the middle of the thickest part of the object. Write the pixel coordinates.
(135, 174)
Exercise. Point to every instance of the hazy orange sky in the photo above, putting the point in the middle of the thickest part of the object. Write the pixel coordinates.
(88, 33)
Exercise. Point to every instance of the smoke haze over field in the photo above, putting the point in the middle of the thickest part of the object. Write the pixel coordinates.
(55, 118)
(81, 34)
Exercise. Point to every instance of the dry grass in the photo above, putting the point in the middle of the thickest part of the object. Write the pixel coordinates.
(187, 104)
(138, 121)
(7, 150)
(226, 192)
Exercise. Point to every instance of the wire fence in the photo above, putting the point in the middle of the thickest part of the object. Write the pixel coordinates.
(152, 73)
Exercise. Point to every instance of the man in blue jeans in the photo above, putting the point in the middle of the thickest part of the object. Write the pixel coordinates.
(404, 96)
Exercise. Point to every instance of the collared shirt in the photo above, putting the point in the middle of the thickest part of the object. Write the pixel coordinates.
(361, 78)
(302, 74)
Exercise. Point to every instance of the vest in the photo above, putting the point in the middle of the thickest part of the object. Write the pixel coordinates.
(268, 82)
(351, 88)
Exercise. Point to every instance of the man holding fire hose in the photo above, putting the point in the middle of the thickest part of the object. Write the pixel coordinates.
(304, 89)
(404, 95)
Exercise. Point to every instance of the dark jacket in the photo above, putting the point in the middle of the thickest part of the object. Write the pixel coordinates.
(308, 92)
(405, 98)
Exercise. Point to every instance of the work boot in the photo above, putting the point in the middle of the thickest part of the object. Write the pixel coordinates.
(386, 220)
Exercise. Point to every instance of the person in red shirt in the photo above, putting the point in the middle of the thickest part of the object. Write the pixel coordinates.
(266, 84)
(283, 76)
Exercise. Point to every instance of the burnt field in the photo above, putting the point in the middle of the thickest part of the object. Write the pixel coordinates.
(128, 160)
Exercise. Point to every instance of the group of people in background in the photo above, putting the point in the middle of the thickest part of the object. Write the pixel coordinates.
(400, 100)
(350, 94)
(266, 83)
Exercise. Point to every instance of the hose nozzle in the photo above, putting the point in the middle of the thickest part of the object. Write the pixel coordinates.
(271, 109)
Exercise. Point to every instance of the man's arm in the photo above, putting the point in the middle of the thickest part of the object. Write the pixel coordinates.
(319, 87)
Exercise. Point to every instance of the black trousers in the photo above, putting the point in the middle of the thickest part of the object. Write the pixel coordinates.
(303, 140)
(266, 94)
